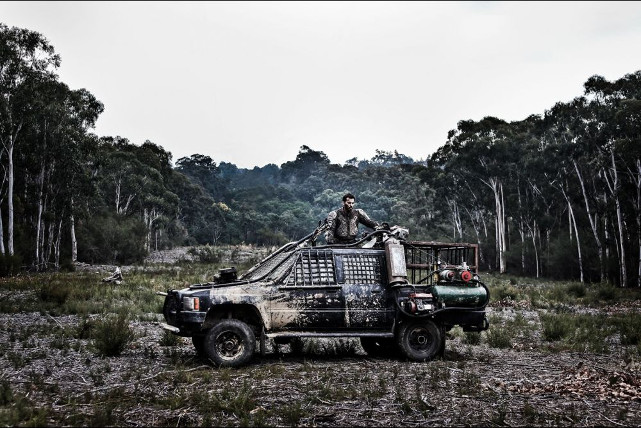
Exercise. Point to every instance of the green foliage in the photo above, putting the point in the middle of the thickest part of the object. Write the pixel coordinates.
(206, 254)
(169, 339)
(55, 292)
(556, 327)
(472, 338)
(112, 335)
(10, 265)
(629, 328)
(113, 239)
(498, 337)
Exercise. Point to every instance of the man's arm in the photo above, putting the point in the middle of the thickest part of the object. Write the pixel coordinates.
(364, 219)
(331, 227)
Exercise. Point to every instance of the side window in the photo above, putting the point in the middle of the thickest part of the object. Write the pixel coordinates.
(312, 269)
(360, 269)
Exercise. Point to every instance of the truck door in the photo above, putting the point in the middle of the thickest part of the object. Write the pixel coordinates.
(362, 275)
(309, 297)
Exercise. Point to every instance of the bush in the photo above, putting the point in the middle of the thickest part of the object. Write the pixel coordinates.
(630, 329)
(499, 337)
(556, 327)
(606, 292)
(206, 254)
(169, 339)
(54, 292)
(10, 265)
(472, 338)
(577, 289)
(112, 335)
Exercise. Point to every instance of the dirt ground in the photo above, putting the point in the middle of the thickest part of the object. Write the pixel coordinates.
(154, 385)
(51, 377)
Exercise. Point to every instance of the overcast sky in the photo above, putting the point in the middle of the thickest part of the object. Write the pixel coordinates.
(249, 83)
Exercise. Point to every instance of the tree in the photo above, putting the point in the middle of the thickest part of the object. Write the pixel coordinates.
(26, 57)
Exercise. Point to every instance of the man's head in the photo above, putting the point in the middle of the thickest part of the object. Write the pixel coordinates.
(348, 201)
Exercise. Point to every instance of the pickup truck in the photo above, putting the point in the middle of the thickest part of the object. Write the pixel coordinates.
(395, 295)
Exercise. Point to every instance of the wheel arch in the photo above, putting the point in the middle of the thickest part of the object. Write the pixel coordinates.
(245, 312)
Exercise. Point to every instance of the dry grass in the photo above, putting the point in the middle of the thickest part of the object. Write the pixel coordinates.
(556, 354)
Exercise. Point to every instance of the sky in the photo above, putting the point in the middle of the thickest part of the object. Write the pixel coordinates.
(251, 82)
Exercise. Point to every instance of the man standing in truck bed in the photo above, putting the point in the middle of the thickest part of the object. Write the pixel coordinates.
(343, 222)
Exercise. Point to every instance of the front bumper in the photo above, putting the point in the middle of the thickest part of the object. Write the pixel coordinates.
(168, 327)
(185, 323)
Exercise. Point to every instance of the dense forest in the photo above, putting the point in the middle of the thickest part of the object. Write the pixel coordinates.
(557, 194)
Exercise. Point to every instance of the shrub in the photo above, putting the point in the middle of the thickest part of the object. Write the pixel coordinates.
(6, 394)
(499, 337)
(556, 326)
(112, 335)
(472, 338)
(206, 254)
(630, 330)
(54, 292)
(169, 339)
(606, 292)
(577, 289)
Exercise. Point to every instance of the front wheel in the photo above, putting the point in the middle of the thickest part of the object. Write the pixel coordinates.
(420, 340)
(230, 343)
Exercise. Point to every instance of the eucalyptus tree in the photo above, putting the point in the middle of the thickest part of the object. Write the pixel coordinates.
(615, 108)
(482, 152)
(52, 162)
(203, 171)
(25, 56)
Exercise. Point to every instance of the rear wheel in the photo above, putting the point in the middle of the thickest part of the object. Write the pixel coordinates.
(230, 343)
(379, 346)
(420, 340)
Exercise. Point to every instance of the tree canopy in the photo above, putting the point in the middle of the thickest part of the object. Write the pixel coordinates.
(556, 194)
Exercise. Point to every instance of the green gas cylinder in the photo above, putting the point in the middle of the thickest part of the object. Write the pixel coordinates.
(468, 295)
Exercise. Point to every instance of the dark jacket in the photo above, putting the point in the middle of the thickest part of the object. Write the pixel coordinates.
(343, 226)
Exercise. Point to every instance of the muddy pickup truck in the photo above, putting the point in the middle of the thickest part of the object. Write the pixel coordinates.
(397, 296)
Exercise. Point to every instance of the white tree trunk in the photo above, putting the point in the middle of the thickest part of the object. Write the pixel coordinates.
(10, 198)
(57, 246)
(74, 241)
(536, 252)
(39, 222)
(593, 225)
(1, 234)
(637, 182)
(576, 233)
(614, 190)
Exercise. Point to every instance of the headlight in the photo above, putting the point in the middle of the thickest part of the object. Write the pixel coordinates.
(191, 303)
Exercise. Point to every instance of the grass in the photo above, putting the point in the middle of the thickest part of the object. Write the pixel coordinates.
(524, 314)
(112, 334)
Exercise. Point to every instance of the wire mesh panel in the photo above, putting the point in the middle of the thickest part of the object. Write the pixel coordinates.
(362, 268)
(313, 269)
(423, 258)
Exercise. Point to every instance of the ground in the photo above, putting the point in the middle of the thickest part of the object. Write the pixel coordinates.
(151, 384)
(51, 375)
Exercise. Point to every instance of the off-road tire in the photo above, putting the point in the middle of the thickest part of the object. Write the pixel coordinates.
(379, 346)
(230, 343)
(420, 340)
